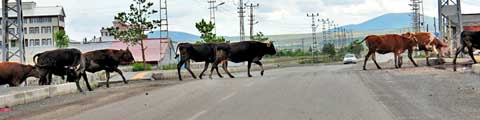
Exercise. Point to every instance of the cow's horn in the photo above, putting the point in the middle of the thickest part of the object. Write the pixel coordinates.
(269, 43)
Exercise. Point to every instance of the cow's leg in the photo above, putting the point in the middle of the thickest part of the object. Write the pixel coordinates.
(400, 61)
(261, 66)
(211, 71)
(179, 67)
(107, 74)
(395, 58)
(218, 73)
(374, 58)
(366, 59)
(121, 74)
(410, 53)
(224, 66)
(43, 77)
(249, 65)
(204, 69)
(77, 82)
(427, 56)
(84, 75)
(455, 58)
(470, 52)
(49, 78)
(190, 70)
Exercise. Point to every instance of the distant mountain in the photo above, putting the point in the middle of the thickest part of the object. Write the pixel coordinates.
(176, 36)
(388, 21)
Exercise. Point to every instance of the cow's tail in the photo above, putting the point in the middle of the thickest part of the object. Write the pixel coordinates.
(35, 58)
(176, 52)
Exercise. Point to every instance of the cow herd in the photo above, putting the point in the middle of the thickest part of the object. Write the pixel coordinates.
(74, 64)
(65, 62)
(424, 41)
(221, 53)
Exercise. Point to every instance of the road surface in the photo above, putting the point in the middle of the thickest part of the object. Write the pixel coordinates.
(321, 92)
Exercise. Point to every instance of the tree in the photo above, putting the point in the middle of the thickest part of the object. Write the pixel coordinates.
(61, 39)
(329, 49)
(138, 21)
(206, 30)
(259, 37)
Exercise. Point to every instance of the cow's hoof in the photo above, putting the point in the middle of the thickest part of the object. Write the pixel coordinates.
(261, 73)
(250, 76)
(232, 77)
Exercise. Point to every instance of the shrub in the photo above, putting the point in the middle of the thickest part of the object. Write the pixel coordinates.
(139, 67)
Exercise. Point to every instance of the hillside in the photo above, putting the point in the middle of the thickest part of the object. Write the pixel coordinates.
(387, 22)
(176, 36)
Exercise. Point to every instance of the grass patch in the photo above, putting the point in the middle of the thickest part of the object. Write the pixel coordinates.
(139, 67)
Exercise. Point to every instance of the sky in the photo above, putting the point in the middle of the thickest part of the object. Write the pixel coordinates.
(85, 18)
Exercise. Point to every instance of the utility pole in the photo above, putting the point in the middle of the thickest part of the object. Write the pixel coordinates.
(8, 36)
(213, 8)
(452, 17)
(324, 32)
(252, 18)
(242, 26)
(164, 33)
(314, 31)
(417, 15)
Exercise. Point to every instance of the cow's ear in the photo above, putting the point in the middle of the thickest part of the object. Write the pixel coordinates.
(127, 49)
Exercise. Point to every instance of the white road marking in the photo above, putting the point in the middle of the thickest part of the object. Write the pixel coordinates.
(228, 96)
(194, 117)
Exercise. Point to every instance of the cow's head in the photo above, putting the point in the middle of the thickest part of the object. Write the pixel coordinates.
(441, 46)
(410, 37)
(270, 48)
(33, 71)
(126, 56)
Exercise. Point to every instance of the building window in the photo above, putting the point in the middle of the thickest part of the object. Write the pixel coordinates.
(26, 43)
(61, 18)
(25, 30)
(34, 30)
(49, 41)
(25, 21)
(13, 43)
(47, 29)
(37, 42)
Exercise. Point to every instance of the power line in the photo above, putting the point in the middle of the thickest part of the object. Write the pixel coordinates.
(241, 16)
(314, 29)
(251, 7)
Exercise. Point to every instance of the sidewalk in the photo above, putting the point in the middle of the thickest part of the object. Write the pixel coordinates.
(21, 95)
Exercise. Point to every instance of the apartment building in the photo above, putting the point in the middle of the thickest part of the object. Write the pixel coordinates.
(40, 22)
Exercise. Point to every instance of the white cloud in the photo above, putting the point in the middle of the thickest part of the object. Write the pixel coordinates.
(86, 17)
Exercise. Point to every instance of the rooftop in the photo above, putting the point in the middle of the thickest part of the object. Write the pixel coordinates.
(31, 10)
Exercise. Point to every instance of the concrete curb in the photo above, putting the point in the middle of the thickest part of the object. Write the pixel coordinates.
(20, 96)
(476, 68)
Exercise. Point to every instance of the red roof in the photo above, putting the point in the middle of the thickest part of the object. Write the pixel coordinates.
(155, 50)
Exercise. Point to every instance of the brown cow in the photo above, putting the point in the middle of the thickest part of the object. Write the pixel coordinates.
(384, 44)
(429, 43)
(15, 74)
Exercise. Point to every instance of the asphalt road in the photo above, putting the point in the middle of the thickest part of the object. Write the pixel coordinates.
(322, 92)
(307, 93)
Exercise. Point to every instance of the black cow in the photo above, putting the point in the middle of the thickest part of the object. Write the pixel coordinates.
(470, 40)
(250, 51)
(15, 74)
(198, 53)
(69, 62)
(108, 60)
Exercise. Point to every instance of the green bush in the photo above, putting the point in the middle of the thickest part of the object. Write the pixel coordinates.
(139, 67)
